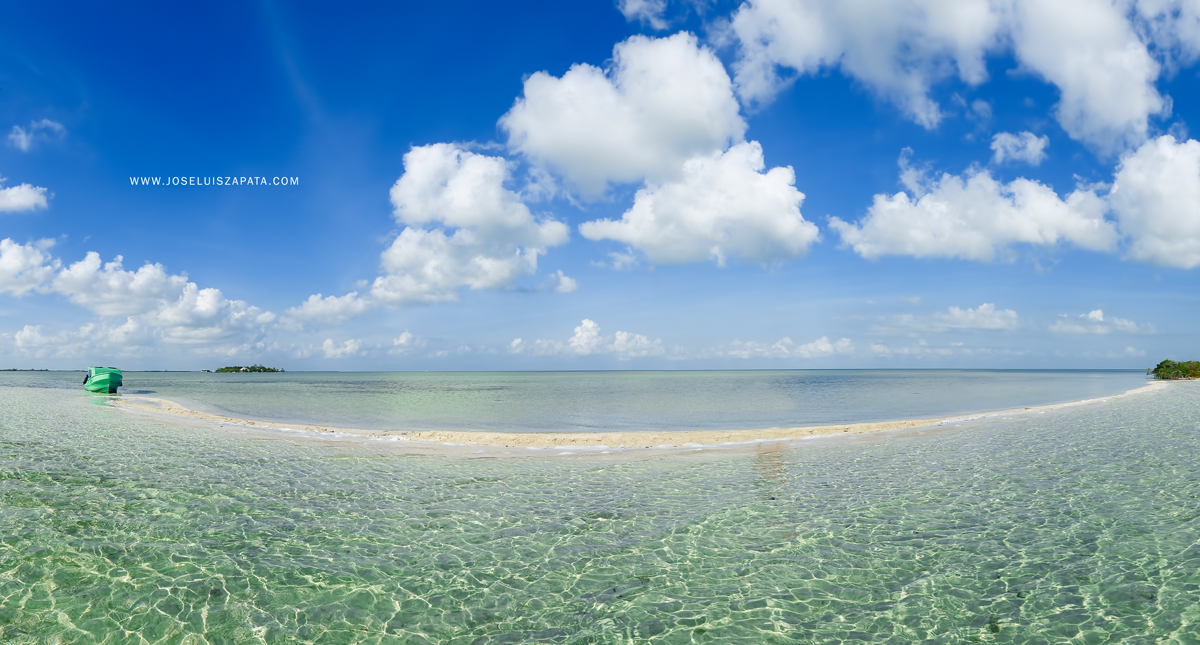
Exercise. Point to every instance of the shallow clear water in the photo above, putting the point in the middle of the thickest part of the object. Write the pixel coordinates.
(1078, 525)
(595, 401)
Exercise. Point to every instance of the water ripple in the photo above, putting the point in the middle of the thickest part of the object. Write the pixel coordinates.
(1075, 526)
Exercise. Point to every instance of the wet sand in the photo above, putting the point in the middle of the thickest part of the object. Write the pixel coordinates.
(597, 440)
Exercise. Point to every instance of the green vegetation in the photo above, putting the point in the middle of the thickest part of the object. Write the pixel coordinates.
(252, 368)
(1175, 370)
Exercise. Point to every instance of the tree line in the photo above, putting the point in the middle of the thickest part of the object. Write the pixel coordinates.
(251, 368)
(1171, 370)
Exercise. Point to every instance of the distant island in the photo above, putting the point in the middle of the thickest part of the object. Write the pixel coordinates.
(252, 368)
(1172, 370)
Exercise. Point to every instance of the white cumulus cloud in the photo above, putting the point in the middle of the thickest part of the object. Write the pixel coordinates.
(143, 309)
(348, 348)
(1098, 53)
(330, 310)
(405, 343)
(787, 348)
(629, 345)
(985, 316)
(446, 185)
(110, 290)
(1026, 146)
(974, 217)
(129, 338)
(897, 49)
(206, 317)
(1105, 74)
(588, 340)
(25, 267)
(923, 350)
(1095, 322)
(23, 197)
(464, 228)
(177, 310)
(562, 283)
(157, 307)
(1156, 200)
(660, 103)
(649, 12)
(724, 206)
(1174, 27)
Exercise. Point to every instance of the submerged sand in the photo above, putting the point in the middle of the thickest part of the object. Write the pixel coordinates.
(598, 440)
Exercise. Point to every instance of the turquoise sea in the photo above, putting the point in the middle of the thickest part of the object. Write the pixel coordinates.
(1077, 525)
(598, 401)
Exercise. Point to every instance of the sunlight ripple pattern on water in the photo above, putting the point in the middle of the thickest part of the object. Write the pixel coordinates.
(1074, 526)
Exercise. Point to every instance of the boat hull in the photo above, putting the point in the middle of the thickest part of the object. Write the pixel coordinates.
(104, 381)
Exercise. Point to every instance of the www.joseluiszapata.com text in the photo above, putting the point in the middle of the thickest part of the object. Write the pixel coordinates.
(214, 181)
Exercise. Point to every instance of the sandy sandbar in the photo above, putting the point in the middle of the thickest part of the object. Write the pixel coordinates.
(598, 440)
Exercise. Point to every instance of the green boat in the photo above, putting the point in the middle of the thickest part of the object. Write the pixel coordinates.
(105, 380)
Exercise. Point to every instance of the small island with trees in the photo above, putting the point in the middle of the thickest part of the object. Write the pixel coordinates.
(252, 368)
(1173, 370)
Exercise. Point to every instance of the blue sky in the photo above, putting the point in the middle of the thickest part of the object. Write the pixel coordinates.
(641, 185)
